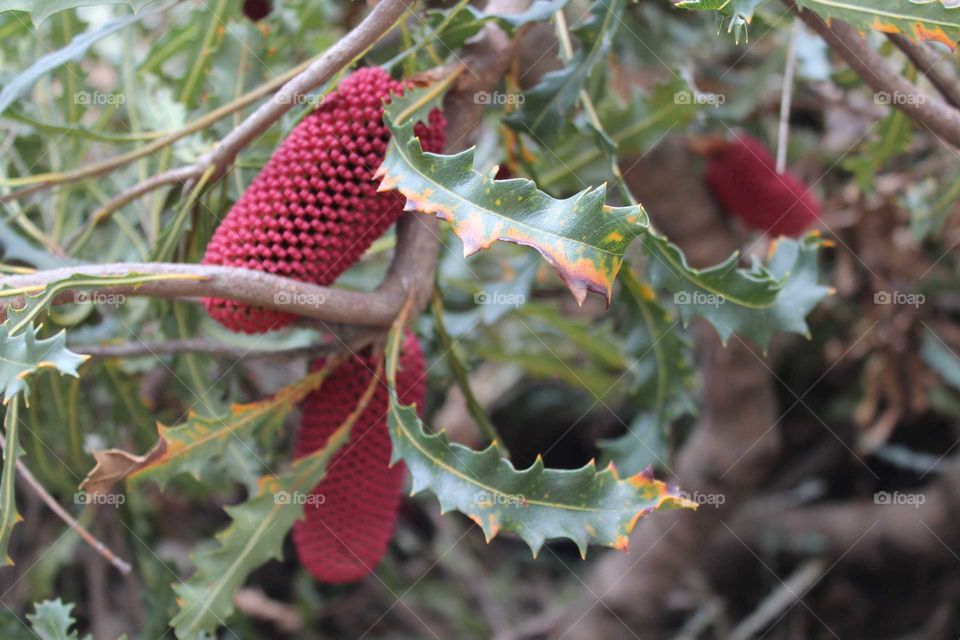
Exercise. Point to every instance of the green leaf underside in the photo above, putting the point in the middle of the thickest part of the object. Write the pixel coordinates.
(9, 516)
(919, 21)
(538, 504)
(52, 621)
(254, 536)
(740, 12)
(755, 302)
(581, 237)
(40, 10)
(191, 446)
(547, 105)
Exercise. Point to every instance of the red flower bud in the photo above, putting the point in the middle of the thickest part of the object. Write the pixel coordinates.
(314, 208)
(743, 177)
(350, 520)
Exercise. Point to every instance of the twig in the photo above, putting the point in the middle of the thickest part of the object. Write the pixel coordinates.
(930, 64)
(121, 565)
(933, 113)
(775, 605)
(786, 98)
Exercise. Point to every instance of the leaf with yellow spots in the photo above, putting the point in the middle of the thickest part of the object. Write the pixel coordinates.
(755, 302)
(255, 535)
(584, 505)
(917, 19)
(191, 446)
(582, 237)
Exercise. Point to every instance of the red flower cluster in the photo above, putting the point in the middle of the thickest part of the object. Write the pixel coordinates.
(743, 177)
(314, 208)
(350, 520)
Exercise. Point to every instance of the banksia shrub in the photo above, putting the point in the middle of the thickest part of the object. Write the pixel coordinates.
(314, 208)
(743, 177)
(348, 526)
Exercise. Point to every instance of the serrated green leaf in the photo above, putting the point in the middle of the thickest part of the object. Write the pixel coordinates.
(538, 504)
(739, 13)
(74, 51)
(754, 303)
(52, 620)
(23, 354)
(254, 536)
(9, 516)
(582, 238)
(916, 19)
(547, 105)
(192, 446)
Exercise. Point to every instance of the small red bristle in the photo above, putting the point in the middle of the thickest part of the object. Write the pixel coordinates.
(742, 175)
(314, 208)
(348, 527)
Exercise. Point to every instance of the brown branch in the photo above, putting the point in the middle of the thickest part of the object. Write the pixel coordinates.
(930, 64)
(932, 112)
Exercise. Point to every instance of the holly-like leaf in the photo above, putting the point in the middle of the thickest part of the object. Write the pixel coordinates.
(52, 620)
(538, 504)
(254, 536)
(583, 238)
(23, 354)
(917, 19)
(9, 516)
(191, 447)
(547, 105)
(755, 302)
(738, 12)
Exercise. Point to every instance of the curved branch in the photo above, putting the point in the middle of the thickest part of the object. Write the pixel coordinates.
(930, 64)
(933, 113)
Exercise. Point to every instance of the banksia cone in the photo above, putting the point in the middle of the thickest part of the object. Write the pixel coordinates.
(743, 177)
(346, 531)
(314, 208)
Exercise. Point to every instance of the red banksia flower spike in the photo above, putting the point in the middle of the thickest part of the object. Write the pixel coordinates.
(741, 173)
(314, 208)
(349, 521)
